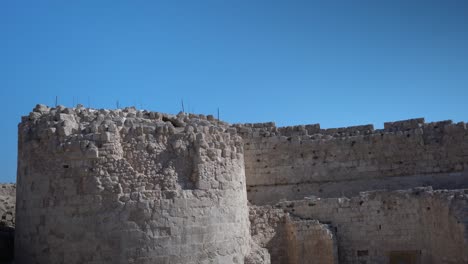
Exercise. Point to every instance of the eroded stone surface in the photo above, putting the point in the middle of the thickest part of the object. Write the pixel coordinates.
(128, 186)
(310, 241)
(7, 204)
(294, 162)
(369, 227)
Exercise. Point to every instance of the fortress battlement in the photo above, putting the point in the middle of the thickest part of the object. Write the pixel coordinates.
(416, 125)
(135, 186)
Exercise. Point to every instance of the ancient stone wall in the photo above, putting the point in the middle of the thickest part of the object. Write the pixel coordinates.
(310, 242)
(418, 225)
(268, 230)
(292, 240)
(128, 186)
(293, 162)
(7, 204)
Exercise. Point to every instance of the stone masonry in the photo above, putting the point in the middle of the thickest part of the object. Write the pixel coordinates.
(134, 186)
(7, 204)
(370, 227)
(294, 162)
(129, 186)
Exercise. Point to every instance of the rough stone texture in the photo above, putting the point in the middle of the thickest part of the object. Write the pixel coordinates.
(128, 186)
(292, 240)
(7, 221)
(432, 225)
(293, 162)
(268, 230)
(310, 242)
(258, 255)
(7, 204)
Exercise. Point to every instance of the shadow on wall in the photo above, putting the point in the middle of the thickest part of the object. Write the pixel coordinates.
(7, 235)
(277, 246)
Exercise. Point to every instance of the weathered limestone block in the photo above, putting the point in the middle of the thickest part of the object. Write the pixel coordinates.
(7, 204)
(310, 242)
(404, 124)
(375, 227)
(268, 230)
(129, 186)
(258, 255)
(290, 239)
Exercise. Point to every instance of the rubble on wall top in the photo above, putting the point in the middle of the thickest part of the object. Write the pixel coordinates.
(121, 116)
(85, 133)
(98, 127)
(125, 116)
(270, 129)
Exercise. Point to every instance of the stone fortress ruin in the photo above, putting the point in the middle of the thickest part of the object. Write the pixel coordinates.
(134, 186)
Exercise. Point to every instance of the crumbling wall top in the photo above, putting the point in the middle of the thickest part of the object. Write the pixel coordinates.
(313, 130)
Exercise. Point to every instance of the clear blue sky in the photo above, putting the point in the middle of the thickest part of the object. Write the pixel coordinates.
(338, 63)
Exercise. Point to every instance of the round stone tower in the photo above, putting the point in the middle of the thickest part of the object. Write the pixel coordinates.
(128, 186)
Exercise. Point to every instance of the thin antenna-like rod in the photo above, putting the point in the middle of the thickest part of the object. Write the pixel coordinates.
(56, 101)
(218, 115)
(183, 109)
(117, 104)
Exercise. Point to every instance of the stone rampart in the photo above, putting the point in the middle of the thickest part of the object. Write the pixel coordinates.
(293, 162)
(128, 186)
